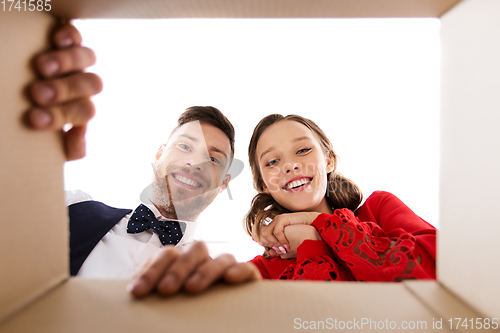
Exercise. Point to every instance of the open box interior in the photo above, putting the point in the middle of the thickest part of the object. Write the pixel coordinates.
(37, 293)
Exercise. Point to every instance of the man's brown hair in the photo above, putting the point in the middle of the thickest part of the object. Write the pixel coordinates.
(211, 116)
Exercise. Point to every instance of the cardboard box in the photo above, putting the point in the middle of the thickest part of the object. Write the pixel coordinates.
(36, 293)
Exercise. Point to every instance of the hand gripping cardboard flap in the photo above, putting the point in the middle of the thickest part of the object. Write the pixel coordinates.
(34, 246)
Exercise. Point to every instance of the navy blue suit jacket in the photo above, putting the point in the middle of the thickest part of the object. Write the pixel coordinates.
(89, 222)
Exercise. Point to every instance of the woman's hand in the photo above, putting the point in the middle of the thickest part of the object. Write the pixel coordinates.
(62, 93)
(296, 234)
(273, 235)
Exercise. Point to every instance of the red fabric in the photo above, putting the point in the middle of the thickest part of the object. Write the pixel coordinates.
(383, 241)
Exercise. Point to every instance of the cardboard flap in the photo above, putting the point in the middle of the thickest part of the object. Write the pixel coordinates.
(250, 9)
(266, 306)
(34, 246)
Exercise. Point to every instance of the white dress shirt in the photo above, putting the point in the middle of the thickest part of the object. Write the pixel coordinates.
(120, 255)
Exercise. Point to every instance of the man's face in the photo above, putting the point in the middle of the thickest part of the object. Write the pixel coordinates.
(191, 169)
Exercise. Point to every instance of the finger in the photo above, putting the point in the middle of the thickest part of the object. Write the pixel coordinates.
(64, 61)
(75, 147)
(185, 265)
(209, 272)
(52, 92)
(270, 241)
(148, 278)
(255, 236)
(272, 253)
(78, 112)
(242, 272)
(279, 233)
(66, 36)
(280, 222)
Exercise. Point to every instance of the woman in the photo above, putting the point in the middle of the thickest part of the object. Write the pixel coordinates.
(317, 230)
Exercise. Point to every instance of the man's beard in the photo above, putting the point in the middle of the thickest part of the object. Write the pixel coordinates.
(169, 200)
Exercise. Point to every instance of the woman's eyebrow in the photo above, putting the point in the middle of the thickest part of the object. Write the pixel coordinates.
(267, 151)
(300, 138)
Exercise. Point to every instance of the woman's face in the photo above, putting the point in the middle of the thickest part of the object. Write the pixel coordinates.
(294, 167)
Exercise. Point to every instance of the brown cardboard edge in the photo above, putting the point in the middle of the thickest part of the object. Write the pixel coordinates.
(442, 301)
(449, 7)
(253, 9)
(84, 305)
(34, 258)
(33, 299)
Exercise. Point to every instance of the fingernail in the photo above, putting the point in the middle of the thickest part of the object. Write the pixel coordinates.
(65, 42)
(51, 66)
(282, 249)
(138, 285)
(287, 247)
(40, 118)
(275, 248)
(45, 92)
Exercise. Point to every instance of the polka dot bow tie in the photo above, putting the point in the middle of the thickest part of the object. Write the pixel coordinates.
(169, 232)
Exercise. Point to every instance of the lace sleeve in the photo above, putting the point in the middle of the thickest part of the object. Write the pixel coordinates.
(369, 253)
(315, 261)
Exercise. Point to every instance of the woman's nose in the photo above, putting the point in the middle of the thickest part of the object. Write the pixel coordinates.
(290, 167)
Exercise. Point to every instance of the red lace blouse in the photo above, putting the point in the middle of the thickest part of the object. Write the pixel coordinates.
(383, 241)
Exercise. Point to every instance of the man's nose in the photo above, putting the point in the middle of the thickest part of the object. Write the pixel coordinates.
(196, 162)
(195, 166)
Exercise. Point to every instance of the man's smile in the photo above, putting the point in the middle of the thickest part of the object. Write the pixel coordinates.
(186, 180)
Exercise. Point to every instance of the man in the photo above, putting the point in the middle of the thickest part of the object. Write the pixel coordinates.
(190, 169)
(63, 96)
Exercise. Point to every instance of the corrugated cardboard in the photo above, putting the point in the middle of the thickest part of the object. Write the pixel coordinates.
(34, 239)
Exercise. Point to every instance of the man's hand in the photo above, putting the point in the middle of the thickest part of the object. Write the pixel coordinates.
(192, 270)
(62, 93)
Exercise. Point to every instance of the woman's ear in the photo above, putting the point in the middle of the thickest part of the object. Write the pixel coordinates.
(330, 162)
(265, 189)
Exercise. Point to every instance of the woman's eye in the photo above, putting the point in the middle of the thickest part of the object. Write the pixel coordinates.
(272, 162)
(304, 150)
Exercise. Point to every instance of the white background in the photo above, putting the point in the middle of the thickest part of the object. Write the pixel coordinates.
(371, 84)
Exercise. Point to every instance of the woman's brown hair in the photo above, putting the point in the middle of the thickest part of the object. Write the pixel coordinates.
(341, 192)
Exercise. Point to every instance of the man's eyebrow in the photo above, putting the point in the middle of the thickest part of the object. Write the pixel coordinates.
(300, 138)
(189, 137)
(217, 150)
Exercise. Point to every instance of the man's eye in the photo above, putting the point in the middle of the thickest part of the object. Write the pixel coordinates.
(215, 160)
(272, 162)
(303, 150)
(184, 146)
